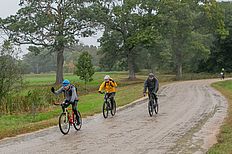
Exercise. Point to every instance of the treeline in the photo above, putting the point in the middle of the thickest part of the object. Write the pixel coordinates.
(170, 36)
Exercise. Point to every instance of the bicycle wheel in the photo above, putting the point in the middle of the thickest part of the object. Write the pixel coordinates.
(64, 124)
(113, 110)
(77, 127)
(105, 110)
(156, 107)
(150, 108)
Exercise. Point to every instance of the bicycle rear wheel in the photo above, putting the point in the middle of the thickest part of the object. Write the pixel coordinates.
(105, 110)
(113, 111)
(76, 126)
(150, 108)
(64, 124)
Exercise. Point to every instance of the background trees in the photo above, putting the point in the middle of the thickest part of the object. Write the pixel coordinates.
(84, 67)
(168, 36)
(54, 25)
(10, 74)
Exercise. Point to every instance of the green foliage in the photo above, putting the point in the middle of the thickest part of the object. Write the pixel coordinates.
(220, 55)
(10, 72)
(50, 24)
(84, 67)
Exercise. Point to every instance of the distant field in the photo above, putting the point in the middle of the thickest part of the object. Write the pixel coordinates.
(49, 79)
(224, 145)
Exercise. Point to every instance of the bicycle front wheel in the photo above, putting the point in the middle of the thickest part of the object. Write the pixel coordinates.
(105, 110)
(64, 124)
(113, 111)
(76, 126)
(150, 108)
(156, 108)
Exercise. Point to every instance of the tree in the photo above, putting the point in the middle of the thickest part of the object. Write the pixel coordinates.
(53, 24)
(186, 26)
(10, 75)
(128, 25)
(84, 67)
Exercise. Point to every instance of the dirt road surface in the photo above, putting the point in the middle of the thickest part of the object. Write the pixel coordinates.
(189, 118)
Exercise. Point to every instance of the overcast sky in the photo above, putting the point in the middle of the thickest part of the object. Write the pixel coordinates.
(9, 7)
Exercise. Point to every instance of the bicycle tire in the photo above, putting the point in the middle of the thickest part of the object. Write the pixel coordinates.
(105, 110)
(150, 108)
(156, 108)
(77, 127)
(64, 124)
(113, 111)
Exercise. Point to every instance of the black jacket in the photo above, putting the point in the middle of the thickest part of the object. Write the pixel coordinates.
(151, 85)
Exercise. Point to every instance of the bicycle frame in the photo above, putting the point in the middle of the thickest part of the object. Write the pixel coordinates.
(70, 117)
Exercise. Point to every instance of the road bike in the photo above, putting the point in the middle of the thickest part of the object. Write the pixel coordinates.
(67, 118)
(153, 104)
(108, 106)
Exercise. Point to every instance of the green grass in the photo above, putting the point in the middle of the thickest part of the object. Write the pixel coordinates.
(11, 125)
(89, 104)
(224, 145)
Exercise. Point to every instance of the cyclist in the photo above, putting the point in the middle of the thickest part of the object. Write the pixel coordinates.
(71, 96)
(222, 74)
(109, 85)
(152, 84)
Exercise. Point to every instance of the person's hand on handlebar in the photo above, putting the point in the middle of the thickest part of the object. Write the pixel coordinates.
(100, 92)
(144, 94)
(53, 90)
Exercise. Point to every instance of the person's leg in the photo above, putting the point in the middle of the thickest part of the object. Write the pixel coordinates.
(112, 98)
(74, 108)
(107, 96)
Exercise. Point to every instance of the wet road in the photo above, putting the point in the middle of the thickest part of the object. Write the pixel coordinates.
(188, 120)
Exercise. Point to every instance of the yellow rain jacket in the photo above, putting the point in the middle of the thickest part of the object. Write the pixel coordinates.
(109, 87)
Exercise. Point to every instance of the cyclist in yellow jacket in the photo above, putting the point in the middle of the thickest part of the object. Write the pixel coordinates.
(109, 85)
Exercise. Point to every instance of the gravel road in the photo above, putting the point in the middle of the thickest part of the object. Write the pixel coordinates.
(188, 120)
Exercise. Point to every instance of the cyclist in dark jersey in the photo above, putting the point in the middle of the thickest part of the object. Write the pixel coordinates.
(152, 84)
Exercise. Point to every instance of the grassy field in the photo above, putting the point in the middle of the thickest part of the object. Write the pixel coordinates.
(224, 145)
(90, 103)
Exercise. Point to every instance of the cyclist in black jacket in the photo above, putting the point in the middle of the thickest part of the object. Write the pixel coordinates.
(152, 84)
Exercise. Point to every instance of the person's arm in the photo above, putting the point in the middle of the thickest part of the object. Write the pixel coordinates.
(74, 94)
(156, 85)
(145, 87)
(59, 91)
(101, 87)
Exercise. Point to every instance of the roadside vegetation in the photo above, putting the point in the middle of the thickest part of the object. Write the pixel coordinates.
(224, 138)
(33, 109)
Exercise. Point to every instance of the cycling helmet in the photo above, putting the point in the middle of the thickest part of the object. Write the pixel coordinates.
(151, 75)
(107, 77)
(66, 82)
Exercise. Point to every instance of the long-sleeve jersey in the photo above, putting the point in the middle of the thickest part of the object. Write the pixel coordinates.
(151, 85)
(109, 87)
(70, 94)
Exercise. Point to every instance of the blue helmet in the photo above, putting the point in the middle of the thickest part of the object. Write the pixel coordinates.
(66, 82)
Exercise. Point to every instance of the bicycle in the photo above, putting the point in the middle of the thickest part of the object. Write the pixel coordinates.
(153, 105)
(66, 120)
(107, 106)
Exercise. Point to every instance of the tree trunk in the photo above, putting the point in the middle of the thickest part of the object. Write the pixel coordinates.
(59, 68)
(131, 66)
(178, 65)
